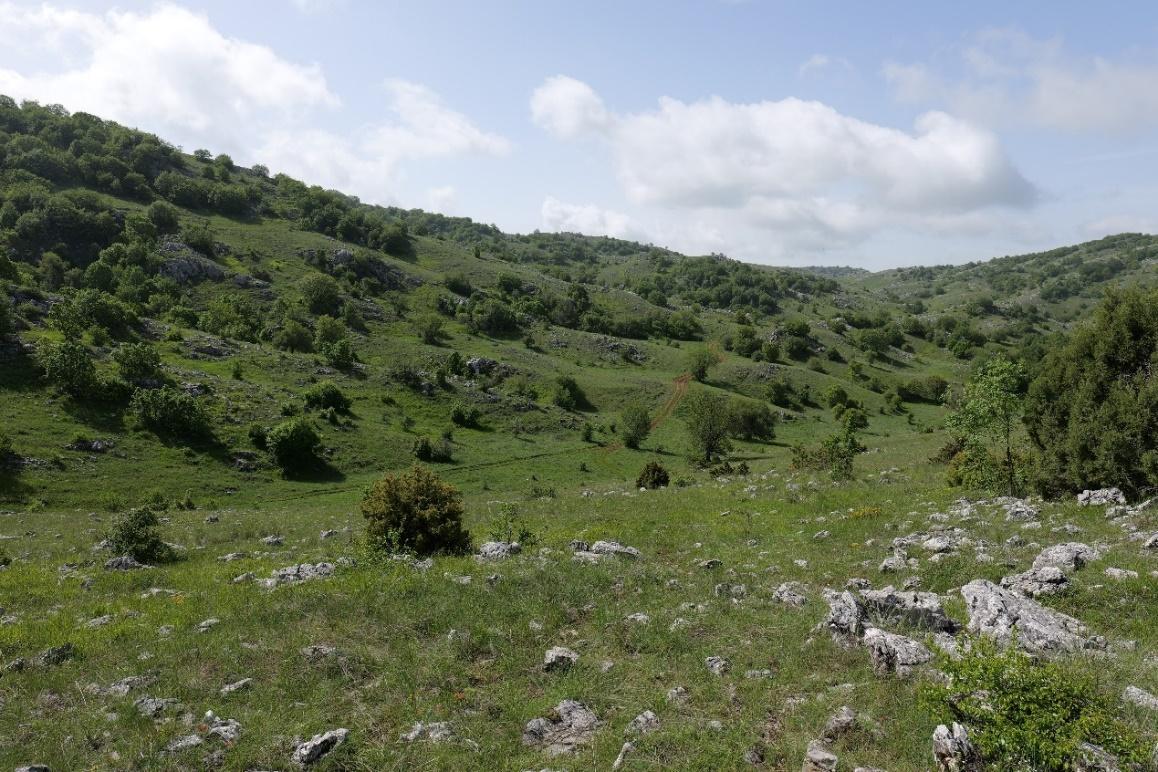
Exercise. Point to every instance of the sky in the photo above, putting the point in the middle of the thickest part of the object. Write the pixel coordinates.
(791, 133)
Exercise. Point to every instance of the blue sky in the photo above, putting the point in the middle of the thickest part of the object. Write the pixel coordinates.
(868, 134)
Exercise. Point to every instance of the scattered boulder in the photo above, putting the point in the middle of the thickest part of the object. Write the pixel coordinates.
(953, 751)
(638, 618)
(717, 665)
(498, 550)
(627, 748)
(614, 548)
(818, 758)
(1070, 556)
(645, 723)
(1101, 497)
(920, 609)
(436, 732)
(790, 593)
(998, 612)
(677, 695)
(845, 620)
(1044, 580)
(729, 590)
(313, 749)
(894, 564)
(154, 707)
(839, 724)
(1140, 697)
(1092, 758)
(236, 686)
(208, 624)
(1121, 574)
(301, 573)
(710, 564)
(892, 653)
(316, 652)
(1019, 511)
(569, 725)
(57, 655)
(559, 658)
(123, 563)
(225, 729)
(184, 743)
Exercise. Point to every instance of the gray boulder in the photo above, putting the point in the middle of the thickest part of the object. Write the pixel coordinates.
(313, 749)
(569, 725)
(790, 593)
(818, 758)
(1101, 497)
(1140, 697)
(436, 732)
(1044, 580)
(1070, 556)
(953, 751)
(614, 548)
(921, 609)
(998, 613)
(498, 550)
(559, 658)
(123, 563)
(892, 653)
(845, 620)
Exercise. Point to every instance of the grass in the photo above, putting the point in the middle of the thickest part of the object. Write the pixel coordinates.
(418, 646)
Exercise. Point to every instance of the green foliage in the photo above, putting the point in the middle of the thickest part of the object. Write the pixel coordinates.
(834, 395)
(6, 324)
(699, 362)
(512, 527)
(416, 512)
(341, 354)
(326, 395)
(834, 455)
(137, 362)
(293, 336)
(164, 217)
(653, 476)
(430, 329)
(442, 451)
(465, 415)
(634, 425)
(1028, 714)
(750, 420)
(294, 445)
(69, 367)
(1093, 408)
(135, 534)
(171, 412)
(327, 332)
(707, 421)
(567, 394)
(320, 294)
(991, 412)
(930, 388)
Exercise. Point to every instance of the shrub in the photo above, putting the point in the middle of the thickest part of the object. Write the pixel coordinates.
(835, 454)
(328, 331)
(1092, 411)
(430, 329)
(567, 394)
(1028, 714)
(320, 293)
(163, 216)
(170, 412)
(634, 425)
(69, 367)
(135, 534)
(462, 415)
(294, 445)
(751, 420)
(834, 395)
(699, 363)
(427, 450)
(653, 476)
(137, 362)
(341, 354)
(293, 336)
(931, 388)
(326, 394)
(707, 425)
(415, 511)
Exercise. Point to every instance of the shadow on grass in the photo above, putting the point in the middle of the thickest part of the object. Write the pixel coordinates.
(20, 374)
(323, 472)
(14, 490)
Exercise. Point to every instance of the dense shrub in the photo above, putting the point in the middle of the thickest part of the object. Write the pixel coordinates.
(653, 476)
(326, 394)
(137, 362)
(931, 388)
(834, 455)
(750, 420)
(706, 418)
(427, 450)
(417, 512)
(69, 367)
(464, 415)
(135, 534)
(699, 363)
(1092, 411)
(634, 425)
(294, 445)
(567, 393)
(1023, 713)
(320, 294)
(341, 354)
(293, 336)
(171, 412)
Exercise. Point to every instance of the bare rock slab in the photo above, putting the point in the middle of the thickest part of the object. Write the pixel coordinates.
(569, 725)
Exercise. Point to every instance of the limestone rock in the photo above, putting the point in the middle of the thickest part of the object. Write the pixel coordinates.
(559, 658)
(1043, 580)
(123, 563)
(839, 724)
(569, 725)
(953, 751)
(645, 723)
(436, 732)
(997, 612)
(1101, 497)
(921, 609)
(845, 620)
(1140, 697)
(791, 593)
(498, 550)
(1070, 556)
(818, 758)
(614, 548)
(717, 665)
(892, 653)
(313, 749)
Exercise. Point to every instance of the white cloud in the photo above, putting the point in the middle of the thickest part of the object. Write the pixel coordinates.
(588, 219)
(569, 108)
(442, 199)
(169, 71)
(791, 174)
(1121, 223)
(820, 63)
(1010, 78)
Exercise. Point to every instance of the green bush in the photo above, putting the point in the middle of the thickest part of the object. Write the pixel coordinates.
(462, 415)
(426, 450)
(653, 476)
(293, 336)
(415, 511)
(707, 422)
(171, 412)
(326, 394)
(834, 455)
(137, 362)
(750, 420)
(634, 425)
(1028, 714)
(135, 534)
(567, 394)
(341, 354)
(69, 367)
(294, 445)
(320, 294)
(1092, 412)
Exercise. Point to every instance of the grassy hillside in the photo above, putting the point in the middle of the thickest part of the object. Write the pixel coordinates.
(252, 292)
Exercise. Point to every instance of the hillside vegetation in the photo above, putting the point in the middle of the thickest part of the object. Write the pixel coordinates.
(209, 369)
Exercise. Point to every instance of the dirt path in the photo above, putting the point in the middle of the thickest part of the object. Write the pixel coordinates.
(679, 391)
